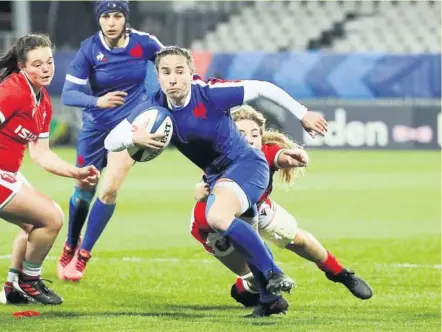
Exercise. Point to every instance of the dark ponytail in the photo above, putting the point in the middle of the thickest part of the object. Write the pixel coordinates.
(8, 63)
(19, 51)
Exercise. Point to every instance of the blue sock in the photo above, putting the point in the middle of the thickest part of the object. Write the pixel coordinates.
(98, 219)
(264, 295)
(78, 209)
(247, 241)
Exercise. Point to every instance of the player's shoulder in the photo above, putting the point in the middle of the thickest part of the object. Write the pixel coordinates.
(13, 86)
(143, 37)
(87, 43)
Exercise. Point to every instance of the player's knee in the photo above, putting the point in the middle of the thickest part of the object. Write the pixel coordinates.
(55, 220)
(84, 194)
(217, 218)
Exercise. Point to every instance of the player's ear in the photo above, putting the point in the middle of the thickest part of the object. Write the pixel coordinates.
(20, 65)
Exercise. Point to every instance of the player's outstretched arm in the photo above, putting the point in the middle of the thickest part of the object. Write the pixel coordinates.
(42, 155)
(296, 157)
(311, 121)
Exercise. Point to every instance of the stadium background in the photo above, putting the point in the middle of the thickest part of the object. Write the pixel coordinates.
(373, 68)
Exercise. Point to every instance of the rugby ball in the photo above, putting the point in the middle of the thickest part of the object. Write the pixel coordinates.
(159, 121)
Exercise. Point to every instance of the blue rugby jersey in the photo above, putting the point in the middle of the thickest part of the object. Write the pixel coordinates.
(98, 69)
(203, 129)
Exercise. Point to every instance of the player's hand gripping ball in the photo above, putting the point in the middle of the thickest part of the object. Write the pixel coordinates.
(157, 122)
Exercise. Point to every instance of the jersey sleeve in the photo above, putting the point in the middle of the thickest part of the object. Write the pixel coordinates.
(152, 47)
(9, 104)
(225, 94)
(47, 120)
(271, 152)
(75, 90)
(78, 72)
(151, 44)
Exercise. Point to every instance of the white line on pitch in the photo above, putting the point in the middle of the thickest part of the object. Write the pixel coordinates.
(178, 260)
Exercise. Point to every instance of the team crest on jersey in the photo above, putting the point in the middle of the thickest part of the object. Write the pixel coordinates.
(200, 111)
(136, 51)
(100, 57)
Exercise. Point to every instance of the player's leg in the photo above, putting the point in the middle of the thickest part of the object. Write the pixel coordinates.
(242, 185)
(280, 227)
(90, 151)
(117, 169)
(244, 290)
(28, 206)
(11, 294)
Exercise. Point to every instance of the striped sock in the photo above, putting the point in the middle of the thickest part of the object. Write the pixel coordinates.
(31, 271)
(12, 275)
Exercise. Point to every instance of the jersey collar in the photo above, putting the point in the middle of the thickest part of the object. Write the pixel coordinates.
(37, 97)
(177, 108)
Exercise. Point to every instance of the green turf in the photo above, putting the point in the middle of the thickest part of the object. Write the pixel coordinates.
(376, 211)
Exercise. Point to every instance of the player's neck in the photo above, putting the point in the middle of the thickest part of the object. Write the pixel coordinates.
(36, 89)
(115, 43)
(179, 102)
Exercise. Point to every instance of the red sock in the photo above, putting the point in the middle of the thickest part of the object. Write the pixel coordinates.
(331, 264)
(240, 285)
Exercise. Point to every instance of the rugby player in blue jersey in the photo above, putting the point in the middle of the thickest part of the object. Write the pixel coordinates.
(113, 61)
(237, 174)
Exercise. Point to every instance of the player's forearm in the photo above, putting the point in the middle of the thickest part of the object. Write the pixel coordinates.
(255, 89)
(52, 163)
(72, 96)
(120, 137)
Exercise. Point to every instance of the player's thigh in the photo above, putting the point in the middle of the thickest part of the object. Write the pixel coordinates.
(251, 174)
(90, 150)
(28, 206)
(276, 224)
(118, 166)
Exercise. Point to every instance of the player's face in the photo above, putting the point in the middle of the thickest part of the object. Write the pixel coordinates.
(112, 25)
(175, 77)
(250, 130)
(39, 66)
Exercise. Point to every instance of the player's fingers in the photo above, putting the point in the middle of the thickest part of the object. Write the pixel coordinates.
(119, 93)
(157, 135)
(116, 103)
(116, 99)
(156, 144)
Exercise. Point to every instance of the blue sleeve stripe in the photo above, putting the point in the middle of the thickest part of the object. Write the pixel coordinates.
(76, 80)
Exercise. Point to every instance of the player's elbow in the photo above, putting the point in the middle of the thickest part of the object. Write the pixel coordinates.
(112, 144)
(65, 96)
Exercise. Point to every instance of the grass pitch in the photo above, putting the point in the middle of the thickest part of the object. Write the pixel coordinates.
(378, 212)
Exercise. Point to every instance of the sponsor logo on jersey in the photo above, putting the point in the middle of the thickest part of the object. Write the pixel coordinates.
(100, 57)
(24, 133)
(8, 178)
